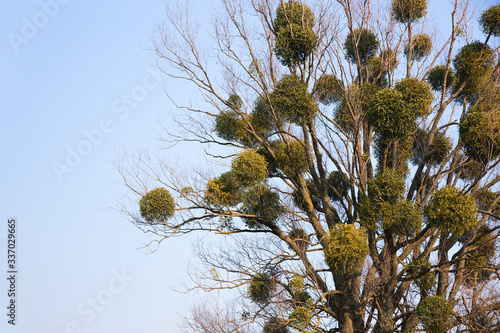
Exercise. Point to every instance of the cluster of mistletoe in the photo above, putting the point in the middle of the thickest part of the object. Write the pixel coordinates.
(362, 168)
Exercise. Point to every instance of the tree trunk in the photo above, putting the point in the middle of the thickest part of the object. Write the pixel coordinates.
(345, 321)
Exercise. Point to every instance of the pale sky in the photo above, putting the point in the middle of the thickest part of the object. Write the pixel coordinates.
(77, 85)
(75, 72)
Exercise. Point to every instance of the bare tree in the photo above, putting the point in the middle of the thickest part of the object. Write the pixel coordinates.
(214, 318)
(352, 164)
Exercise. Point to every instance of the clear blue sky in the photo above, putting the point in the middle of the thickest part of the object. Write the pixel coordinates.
(66, 72)
(64, 75)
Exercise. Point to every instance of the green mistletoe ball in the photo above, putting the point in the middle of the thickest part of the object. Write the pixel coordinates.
(345, 249)
(157, 206)
(451, 211)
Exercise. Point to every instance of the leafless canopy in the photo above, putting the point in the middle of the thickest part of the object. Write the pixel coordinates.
(326, 169)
